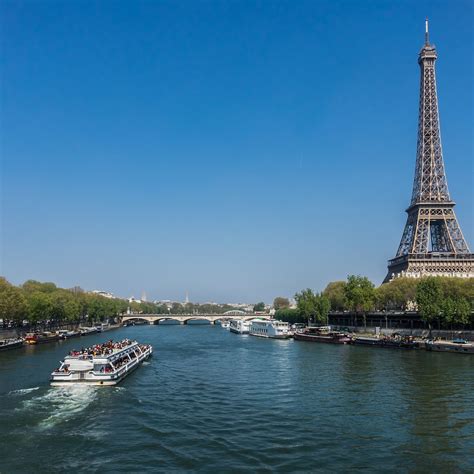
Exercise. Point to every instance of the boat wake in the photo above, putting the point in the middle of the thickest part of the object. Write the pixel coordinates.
(59, 405)
(22, 391)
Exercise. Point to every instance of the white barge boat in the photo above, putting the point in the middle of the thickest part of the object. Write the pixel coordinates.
(102, 364)
(239, 326)
(272, 329)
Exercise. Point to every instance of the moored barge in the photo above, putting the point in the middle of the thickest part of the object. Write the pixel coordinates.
(11, 343)
(102, 364)
(460, 346)
(315, 334)
(41, 337)
(387, 342)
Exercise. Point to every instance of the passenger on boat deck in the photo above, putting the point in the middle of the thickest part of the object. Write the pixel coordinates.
(101, 349)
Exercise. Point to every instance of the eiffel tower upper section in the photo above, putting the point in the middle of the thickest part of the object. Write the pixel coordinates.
(432, 242)
(430, 183)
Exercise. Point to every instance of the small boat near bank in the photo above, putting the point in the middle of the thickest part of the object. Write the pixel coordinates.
(460, 346)
(11, 343)
(321, 334)
(66, 334)
(102, 364)
(86, 330)
(239, 326)
(387, 342)
(41, 337)
(270, 329)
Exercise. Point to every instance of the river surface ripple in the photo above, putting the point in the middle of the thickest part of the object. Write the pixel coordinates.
(210, 400)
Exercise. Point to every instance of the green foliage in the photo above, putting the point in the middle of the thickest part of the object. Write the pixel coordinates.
(397, 294)
(322, 307)
(281, 303)
(306, 303)
(32, 286)
(335, 292)
(313, 306)
(12, 302)
(259, 307)
(360, 293)
(429, 298)
(289, 315)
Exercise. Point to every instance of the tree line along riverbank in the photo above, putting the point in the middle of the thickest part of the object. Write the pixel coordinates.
(440, 301)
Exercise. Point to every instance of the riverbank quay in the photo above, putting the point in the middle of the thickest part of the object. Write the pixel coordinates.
(19, 335)
(419, 334)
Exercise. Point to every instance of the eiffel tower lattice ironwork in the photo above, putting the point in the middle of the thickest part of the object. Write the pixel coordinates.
(432, 242)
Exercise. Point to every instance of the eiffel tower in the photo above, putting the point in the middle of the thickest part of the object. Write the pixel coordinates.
(432, 242)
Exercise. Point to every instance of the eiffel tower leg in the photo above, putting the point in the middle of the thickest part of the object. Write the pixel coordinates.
(420, 241)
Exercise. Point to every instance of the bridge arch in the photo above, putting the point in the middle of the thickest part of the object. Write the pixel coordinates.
(197, 318)
(137, 317)
(160, 320)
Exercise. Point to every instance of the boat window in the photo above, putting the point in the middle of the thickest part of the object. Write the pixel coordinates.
(100, 367)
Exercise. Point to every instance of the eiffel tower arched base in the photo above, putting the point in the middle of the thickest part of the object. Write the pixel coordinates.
(431, 264)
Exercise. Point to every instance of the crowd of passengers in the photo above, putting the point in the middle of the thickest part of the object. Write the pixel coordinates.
(105, 349)
(101, 349)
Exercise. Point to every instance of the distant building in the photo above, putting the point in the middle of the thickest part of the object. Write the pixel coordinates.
(105, 294)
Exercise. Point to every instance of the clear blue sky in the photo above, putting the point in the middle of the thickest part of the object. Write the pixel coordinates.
(237, 150)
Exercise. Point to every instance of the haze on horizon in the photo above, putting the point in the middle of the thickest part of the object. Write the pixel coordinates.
(235, 151)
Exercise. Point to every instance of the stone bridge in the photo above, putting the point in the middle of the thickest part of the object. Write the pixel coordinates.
(184, 318)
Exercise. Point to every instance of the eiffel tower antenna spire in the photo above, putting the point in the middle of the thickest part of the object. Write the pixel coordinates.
(427, 33)
(432, 242)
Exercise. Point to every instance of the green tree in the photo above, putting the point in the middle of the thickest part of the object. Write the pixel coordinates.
(306, 303)
(281, 303)
(40, 306)
(396, 294)
(429, 299)
(12, 302)
(322, 307)
(31, 286)
(259, 307)
(360, 295)
(335, 292)
(290, 315)
(177, 308)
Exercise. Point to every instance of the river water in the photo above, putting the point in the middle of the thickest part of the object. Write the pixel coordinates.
(210, 400)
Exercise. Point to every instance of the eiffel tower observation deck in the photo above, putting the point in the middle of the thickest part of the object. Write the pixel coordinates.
(432, 242)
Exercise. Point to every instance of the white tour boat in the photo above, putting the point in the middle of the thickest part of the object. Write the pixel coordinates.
(102, 364)
(225, 325)
(272, 329)
(239, 326)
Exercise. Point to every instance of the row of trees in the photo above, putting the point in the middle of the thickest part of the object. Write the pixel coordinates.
(449, 301)
(40, 303)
